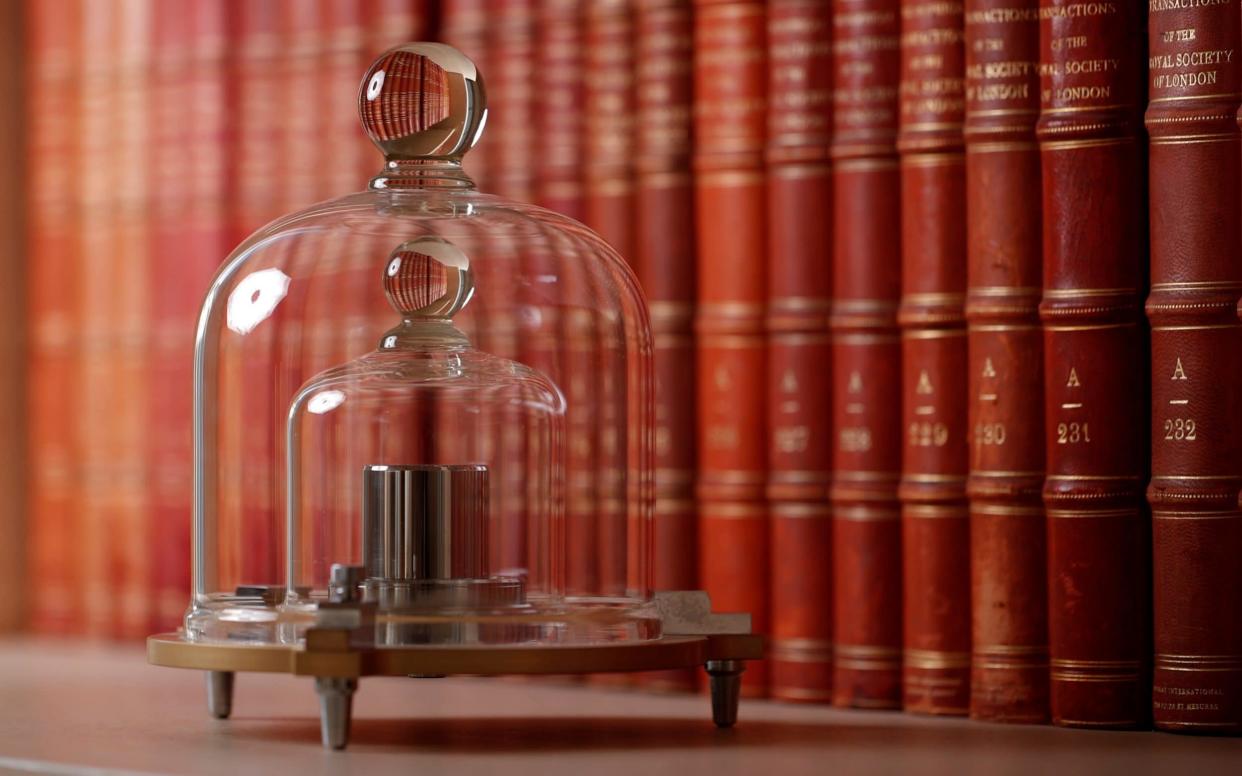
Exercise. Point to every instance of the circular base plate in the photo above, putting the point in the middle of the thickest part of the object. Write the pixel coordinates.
(330, 654)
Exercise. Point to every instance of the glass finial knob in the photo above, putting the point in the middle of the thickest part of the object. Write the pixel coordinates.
(428, 278)
(423, 101)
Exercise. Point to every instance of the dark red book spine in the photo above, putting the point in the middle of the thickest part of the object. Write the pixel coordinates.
(935, 524)
(95, 349)
(343, 49)
(254, 31)
(608, 208)
(340, 292)
(1095, 360)
(248, 507)
(664, 262)
(511, 98)
(187, 243)
(559, 75)
(730, 80)
(464, 24)
(590, 519)
(799, 295)
(1005, 410)
(390, 23)
(130, 564)
(52, 110)
(1195, 90)
(295, 350)
(608, 104)
(14, 314)
(547, 342)
(302, 28)
(866, 355)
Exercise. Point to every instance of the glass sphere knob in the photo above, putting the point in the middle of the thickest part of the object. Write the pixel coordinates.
(428, 278)
(423, 101)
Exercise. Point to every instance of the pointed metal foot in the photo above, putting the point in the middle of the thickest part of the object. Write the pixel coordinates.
(336, 700)
(220, 693)
(726, 686)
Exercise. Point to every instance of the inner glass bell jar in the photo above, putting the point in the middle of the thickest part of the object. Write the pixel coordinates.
(422, 398)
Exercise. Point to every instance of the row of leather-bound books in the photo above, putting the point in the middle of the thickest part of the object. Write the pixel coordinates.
(912, 412)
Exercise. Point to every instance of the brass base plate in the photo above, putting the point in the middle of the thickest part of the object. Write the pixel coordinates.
(328, 653)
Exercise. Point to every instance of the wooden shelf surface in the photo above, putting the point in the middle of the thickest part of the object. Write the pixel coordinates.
(68, 707)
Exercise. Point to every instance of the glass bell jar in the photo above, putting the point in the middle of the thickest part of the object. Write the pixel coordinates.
(423, 421)
(447, 389)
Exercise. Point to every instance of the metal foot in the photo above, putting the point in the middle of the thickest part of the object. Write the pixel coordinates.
(726, 685)
(220, 693)
(336, 700)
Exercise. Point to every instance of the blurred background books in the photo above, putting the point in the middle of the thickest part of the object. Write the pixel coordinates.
(150, 138)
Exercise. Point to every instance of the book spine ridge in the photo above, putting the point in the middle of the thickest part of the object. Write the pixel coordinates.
(664, 257)
(1009, 634)
(796, 321)
(866, 356)
(931, 315)
(1195, 88)
(1095, 345)
(729, 117)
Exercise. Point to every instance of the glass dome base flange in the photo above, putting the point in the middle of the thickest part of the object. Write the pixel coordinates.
(329, 653)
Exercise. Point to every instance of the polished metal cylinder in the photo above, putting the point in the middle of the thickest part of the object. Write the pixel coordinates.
(424, 522)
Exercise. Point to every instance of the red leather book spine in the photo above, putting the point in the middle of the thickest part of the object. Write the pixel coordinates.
(506, 150)
(300, 124)
(464, 24)
(14, 315)
(540, 344)
(1005, 409)
(289, 345)
(343, 49)
(349, 158)
(186, 244)
(511, 112)
(866, 356)
(730, 80)
(94, 268)
(393, 22)
(208, 213)
(15, 62)
(256, 166)
(131, 301)
(664, 261)
(474, 27)
(52, 107)
(799, 293)
(1195, 90)
(559, 73)
(573, 350)
(255, 47)
(564, 343)
(173, 39)
(608, 208)
(1095, 354)
(935, 523)
(608, 102)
